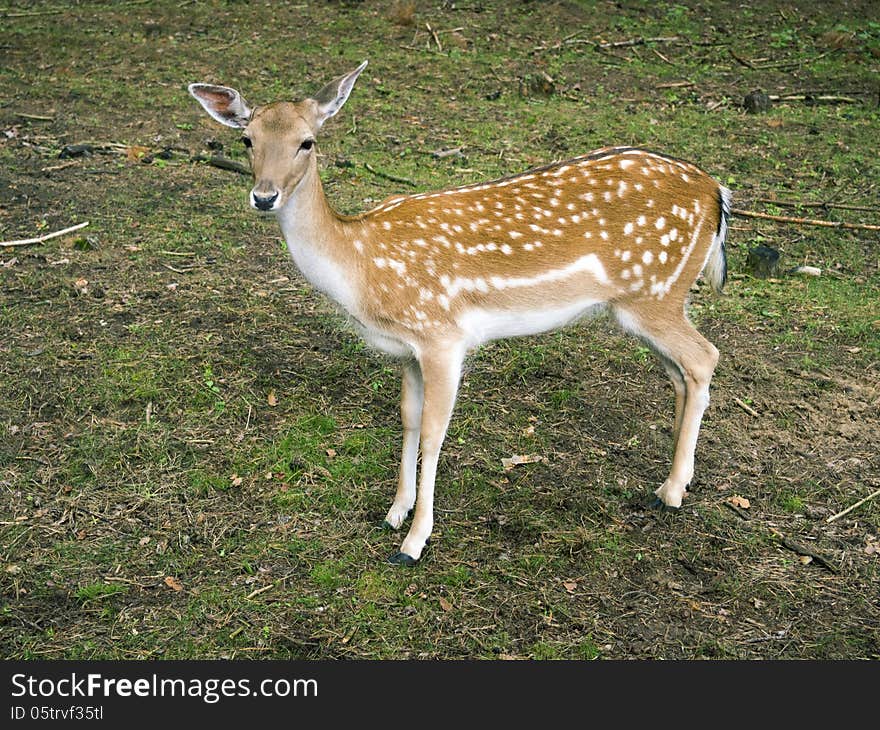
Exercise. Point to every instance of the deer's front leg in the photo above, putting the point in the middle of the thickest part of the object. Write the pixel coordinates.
(412, 396)
(440, 375)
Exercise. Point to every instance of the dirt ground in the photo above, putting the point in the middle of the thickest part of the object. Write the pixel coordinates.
(196, 453)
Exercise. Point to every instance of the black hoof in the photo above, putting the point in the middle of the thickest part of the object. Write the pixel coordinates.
(402, 559)
(658, 503)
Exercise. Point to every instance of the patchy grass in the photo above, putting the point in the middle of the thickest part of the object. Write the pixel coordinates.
(195, 411)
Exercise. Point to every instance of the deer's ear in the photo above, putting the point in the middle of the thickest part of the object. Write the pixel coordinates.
(223, 104)
(331, 98)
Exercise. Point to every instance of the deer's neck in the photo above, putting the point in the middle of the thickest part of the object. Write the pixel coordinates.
(317, 238)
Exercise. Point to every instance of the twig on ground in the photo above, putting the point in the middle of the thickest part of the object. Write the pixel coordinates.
(824, 98)
(45, 237)
(741, 512)
(31, 13)
(745, 62)
(805, 221)
(675, 85)
(258, 591)
(849, 509)
(224, 163)
(559, 44)
(35, 117)
(62, 166)
(639, 42)
(746, 407)
(662, 57)
(435, 36)
(385, 175)
(452, 151)
(801, 549)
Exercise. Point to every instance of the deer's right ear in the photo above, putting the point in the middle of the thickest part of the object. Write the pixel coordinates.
(223, 104)
(331, 98)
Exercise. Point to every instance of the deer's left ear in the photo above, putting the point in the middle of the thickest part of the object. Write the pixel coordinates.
(223, 104)
(331, 98)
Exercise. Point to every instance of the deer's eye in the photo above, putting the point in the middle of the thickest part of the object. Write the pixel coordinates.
(246, 141)
(307, 144)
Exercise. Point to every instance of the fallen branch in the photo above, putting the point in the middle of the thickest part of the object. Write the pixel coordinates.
(559, 44)
(739, 511)
(258, 591)
(56, 168)
(385, 175)
(224, 163)
(45, 237)
(573, 40)
(824, 98)
(35, 117)
(639, 42)
(801, 549)
(435, 36)
(854, 506)
(675, 85)
(453, 151)
(744, 61)
(805, 221)
(31, 13)
(797, 204)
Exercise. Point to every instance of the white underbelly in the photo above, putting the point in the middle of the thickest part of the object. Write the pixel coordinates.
(378, 340)
(483, 325)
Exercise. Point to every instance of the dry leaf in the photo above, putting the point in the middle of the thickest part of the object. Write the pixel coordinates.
(738, 501)
(144, 540)
(402, 12)
(518, 459)
(444, 604)
(272, 399)
(529, 431)
(570, 585)
(806, 559)
(331, 453)
(136, 152)
(236, 480)
(173, 583)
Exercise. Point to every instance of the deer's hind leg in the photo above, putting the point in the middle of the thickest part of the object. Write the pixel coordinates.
(690, 360)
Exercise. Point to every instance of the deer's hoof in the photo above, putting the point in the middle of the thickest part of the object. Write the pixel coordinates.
(659, 504)
(402, 559)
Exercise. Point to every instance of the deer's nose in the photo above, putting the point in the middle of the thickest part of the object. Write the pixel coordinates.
(262, 201)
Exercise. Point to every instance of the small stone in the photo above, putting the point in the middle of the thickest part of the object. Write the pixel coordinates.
(538, 84)
(763, 262)
(757, 102)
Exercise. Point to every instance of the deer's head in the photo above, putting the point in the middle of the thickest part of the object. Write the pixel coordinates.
(279, 137)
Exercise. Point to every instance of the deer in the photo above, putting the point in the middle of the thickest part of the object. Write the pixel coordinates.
(429, 277)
